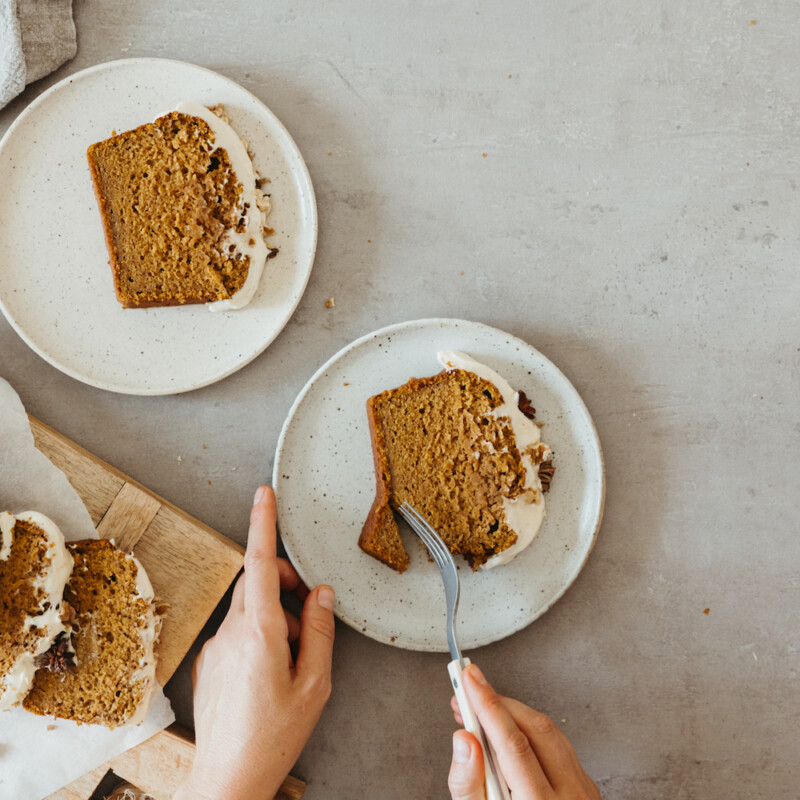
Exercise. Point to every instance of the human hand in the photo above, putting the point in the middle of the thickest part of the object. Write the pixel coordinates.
(535, 757)
(254, 706)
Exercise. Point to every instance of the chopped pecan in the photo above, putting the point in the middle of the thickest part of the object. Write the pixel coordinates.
(546, 471)
(67, 615)
(160, 609)
(59, 658)
(525, 405)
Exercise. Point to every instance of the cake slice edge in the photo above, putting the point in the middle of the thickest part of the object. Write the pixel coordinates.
(380, 525)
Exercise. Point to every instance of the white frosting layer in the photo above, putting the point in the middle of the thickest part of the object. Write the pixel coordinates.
(7, 523)
(19, 680)
(524, 514)
(146, 672)
(226, 138)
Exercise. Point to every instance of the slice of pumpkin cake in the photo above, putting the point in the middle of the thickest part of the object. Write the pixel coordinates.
(182, 210)
(34, 568)
(462, 448)
(114, 629)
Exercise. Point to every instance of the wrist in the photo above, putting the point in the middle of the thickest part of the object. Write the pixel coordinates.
(196, 787)
(189, 790)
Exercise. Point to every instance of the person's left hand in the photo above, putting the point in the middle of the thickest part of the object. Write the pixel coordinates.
(254, 705)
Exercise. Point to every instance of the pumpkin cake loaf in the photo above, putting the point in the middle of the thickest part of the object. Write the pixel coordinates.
(462, 448)
(182, 210)
(115, 627)
(34, 568)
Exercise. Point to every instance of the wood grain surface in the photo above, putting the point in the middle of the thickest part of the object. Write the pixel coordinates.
(157, 767)
(190, 566)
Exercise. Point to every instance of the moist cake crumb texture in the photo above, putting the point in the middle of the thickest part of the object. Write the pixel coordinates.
(29, 617)
(19, 595)
(166, 202)
(109, 638)
(438, 446)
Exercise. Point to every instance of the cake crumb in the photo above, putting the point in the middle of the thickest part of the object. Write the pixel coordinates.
(52, 727)
(706, 611)
(345, 384)
(329, 303)
(418, 429)
(179, 458)
(87, 695)
(145, 169)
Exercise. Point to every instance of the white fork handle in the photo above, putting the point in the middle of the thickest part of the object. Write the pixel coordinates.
(496, 788)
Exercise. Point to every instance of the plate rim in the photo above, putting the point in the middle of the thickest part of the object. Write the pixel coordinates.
(419, 323)
(312, 205)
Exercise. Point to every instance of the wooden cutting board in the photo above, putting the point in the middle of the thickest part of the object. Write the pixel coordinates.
(190, 566)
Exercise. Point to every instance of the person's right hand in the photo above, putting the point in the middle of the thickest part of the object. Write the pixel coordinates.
(535, 757)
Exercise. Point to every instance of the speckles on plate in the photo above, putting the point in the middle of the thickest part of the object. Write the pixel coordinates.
(143, 351)
(321, 539)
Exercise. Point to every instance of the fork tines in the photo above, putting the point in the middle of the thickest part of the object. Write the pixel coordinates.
(447, 569)
(431, 539)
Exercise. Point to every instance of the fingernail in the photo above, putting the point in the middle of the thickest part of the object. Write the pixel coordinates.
(460, 750)
(260, 492)
(326, 597)
(476, 675)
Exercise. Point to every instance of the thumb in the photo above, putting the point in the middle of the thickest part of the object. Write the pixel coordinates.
(466, 769)
(316, 636)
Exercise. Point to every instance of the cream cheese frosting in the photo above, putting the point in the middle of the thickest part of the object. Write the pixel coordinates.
(254, 206)
(7, 523)
(146, 672)
(525, 513)
(19, 679)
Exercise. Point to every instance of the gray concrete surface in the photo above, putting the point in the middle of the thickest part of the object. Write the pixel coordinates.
(635, 217)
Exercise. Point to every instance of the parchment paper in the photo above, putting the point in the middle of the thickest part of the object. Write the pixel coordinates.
(39, 755)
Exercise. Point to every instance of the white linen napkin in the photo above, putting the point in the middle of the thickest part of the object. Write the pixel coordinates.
(36, 37)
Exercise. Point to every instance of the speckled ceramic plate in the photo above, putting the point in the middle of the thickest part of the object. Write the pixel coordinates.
(325, 485)
(55, 283)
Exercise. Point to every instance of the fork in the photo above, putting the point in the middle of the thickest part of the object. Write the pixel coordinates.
(496, 788)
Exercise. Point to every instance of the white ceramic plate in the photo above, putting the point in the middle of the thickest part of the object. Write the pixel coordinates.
(55, 283)
(325, 485)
